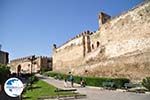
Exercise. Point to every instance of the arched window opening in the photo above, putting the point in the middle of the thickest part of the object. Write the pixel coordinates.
(92, 46)
(98, 43)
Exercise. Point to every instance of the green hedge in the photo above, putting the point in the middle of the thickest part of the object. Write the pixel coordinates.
(146, 83)
(56, 75)
(91, 81)
(98, 81)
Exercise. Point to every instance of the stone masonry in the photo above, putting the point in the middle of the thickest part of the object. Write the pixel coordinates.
(119, 48)
(26, 65)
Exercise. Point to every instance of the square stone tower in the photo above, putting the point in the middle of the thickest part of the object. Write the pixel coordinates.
(103, 18)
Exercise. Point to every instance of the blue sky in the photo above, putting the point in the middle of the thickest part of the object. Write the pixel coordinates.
(32, 26)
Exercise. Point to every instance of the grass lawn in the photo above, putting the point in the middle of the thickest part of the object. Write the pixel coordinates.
(41, 88)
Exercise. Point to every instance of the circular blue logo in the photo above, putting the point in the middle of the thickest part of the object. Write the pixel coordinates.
(13, 87)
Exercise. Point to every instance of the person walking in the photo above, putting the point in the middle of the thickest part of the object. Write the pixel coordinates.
(71, 79)
(82, 82)
(65, 83)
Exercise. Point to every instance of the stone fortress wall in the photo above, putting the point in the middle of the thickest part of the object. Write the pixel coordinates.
(73, 51)
(25, 64)
(119, 48)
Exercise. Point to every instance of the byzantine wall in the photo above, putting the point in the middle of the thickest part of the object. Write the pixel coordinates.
(25, 64)
(126, 33)
(119, 48)
(70, 54)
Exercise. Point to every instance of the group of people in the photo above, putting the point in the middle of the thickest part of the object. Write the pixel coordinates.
(70, 78)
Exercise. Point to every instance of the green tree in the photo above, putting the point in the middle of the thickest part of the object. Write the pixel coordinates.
(4, 73)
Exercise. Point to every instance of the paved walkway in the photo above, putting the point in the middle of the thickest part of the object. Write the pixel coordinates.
(94, 93)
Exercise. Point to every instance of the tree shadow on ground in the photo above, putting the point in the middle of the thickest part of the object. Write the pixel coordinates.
(32, 88)
(26, 98)
(36, 87)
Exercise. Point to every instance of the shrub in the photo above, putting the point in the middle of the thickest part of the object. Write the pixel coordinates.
(146, 83)
(99, 81)
(91, 81)
(43, 70)
(32, 79)
(4, 73)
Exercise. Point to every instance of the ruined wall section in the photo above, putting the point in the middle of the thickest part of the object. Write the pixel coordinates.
(124, 47)
(120, 48)
(39, 63)
(69, 55)
(126, 33)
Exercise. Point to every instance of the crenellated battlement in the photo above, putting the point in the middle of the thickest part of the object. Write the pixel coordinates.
(85, 33)
(31, 64)
(27, 57)
(21, 59)
(44, 57)
(103, 20)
